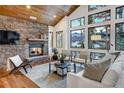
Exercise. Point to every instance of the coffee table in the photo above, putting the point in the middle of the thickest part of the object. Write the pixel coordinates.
(60, 67)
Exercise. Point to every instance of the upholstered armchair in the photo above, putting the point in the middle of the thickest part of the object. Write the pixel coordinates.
(82, 59)
(68, 55)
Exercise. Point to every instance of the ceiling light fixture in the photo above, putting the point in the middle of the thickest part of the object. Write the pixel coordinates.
(28, 6)
(33, 17)
(54, 16)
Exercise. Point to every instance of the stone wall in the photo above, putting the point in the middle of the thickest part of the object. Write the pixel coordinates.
(26, 30)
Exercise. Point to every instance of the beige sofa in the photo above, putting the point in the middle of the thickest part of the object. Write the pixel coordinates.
(114, 77)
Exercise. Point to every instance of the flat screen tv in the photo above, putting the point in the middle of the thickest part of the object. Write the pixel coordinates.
(9, 37)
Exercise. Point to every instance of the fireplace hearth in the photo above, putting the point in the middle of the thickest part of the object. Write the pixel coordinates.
(36, 48)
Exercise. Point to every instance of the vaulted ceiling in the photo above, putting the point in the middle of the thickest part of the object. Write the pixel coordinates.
(46, 14)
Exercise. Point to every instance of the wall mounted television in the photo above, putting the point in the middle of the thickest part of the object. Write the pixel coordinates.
(9, 37)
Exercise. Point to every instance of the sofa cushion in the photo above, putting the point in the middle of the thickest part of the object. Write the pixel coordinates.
(120, 58)
(67, 58)
(113, 74)
(96, 71)
(122, 53)
(79, 60)
(120, 82)
(110, 78)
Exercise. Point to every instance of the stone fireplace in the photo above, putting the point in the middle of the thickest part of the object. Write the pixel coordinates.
(26, 29)
(36, 48)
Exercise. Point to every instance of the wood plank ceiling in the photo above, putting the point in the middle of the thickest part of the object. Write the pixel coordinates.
(45, 14)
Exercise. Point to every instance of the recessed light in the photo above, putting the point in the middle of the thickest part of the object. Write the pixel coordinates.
(28, 6)
(33, 17)
(54, 16)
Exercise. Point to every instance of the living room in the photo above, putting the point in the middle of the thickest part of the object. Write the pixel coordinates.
(61, 46)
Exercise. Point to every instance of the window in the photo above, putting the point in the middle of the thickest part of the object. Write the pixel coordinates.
(77, 38)
(51, 39)
(99, 17)
(77, 22)
(92, 7)
(98, 37)
(59, 41)
(97, 56)
(75, 54)
(119, 38)
(120, 12)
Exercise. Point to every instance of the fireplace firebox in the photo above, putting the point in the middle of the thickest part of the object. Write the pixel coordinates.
(35, 49)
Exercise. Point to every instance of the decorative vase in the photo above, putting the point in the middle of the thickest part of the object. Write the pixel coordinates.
(62, 61)
(55, 57)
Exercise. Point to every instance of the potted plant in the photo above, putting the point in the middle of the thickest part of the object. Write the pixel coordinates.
(61, 57)
(55, 51)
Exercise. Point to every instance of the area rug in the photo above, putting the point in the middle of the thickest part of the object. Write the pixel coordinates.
(40, 75)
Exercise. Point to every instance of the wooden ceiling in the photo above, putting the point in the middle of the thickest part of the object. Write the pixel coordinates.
(44, 13)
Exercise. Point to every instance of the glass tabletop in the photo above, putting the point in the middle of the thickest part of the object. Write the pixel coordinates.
(62, 65)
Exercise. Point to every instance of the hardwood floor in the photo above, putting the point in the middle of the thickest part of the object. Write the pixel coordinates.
(15, 80)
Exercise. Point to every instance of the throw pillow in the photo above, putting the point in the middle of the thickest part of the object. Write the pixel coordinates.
(96, 71)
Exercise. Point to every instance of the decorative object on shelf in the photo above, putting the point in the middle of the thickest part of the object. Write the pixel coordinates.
(42, 36)
(61, 57)
(31, 39)
(46, 36)
(55, 51)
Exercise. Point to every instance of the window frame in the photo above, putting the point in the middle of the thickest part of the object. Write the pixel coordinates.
(75, 53)
(104, 41)
(51, 38)
(77, 19)
(57, 39)
(97, 14)
(71, 38)
(116, 36)
(93, 54)
(116, 11)
(89, 9)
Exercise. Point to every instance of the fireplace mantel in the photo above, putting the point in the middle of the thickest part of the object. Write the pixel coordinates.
(43, 40)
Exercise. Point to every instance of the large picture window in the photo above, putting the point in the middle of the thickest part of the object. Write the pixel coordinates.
(119, 38)
(98, 37)
(59, 39)
(92, 7)
(120, 12)
(77, 22)
(77, 38)
(99, 17)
